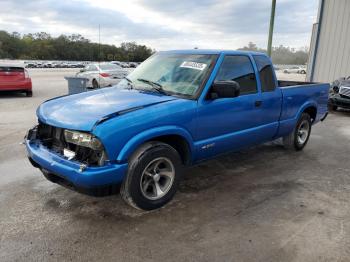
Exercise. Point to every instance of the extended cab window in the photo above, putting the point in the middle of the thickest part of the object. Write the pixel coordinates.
(265, 73)
(238, 68)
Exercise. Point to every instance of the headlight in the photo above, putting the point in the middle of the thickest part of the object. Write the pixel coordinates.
(82, 139)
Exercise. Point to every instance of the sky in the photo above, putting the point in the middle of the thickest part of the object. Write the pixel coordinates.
(165, 24)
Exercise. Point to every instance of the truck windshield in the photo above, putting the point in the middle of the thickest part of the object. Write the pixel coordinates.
(178, 74)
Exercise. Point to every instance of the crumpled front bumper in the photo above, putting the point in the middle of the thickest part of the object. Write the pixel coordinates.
(70, 173)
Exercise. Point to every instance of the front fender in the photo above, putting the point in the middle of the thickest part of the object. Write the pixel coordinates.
(149, 134)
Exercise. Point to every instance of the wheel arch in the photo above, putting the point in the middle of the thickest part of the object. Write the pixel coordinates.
(312, 111)
(176, 137)
(310, 107)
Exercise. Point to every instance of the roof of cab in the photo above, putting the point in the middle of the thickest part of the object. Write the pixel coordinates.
(211, 52)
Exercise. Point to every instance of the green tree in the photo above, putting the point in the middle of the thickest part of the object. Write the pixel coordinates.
(42, 45)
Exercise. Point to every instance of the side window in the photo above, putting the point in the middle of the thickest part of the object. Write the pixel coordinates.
(238, 68)
(93, 68)
(265, 73)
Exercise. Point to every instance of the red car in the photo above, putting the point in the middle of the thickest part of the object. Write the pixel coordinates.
(15, 78)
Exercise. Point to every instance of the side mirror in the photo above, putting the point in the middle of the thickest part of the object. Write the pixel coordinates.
(224, 89)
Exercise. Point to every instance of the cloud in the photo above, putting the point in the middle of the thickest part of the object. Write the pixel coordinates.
(165, 24)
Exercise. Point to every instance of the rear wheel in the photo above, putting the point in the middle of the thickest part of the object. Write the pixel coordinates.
(154, 173)
(29, 93)
(298, 139)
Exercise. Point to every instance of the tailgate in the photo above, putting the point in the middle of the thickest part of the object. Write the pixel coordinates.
(11, 74)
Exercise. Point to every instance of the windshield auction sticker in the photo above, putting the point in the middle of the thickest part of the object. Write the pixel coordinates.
(194, 65)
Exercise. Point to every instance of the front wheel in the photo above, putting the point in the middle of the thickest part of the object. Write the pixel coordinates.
(298, 139)
(154, 173)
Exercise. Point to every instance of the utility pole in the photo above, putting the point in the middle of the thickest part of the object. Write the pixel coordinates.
(272, 21)
(99, 43)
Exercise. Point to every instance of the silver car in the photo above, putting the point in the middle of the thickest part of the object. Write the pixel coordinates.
(102, 74)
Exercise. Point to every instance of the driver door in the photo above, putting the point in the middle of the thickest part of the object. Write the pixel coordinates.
(227, 124)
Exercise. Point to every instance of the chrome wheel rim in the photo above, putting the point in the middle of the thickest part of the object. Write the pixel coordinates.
(303, 132)
(157, 178)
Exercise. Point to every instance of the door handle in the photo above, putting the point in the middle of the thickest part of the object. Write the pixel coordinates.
(258, 103)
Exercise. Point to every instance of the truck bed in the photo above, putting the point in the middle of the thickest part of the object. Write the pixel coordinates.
(295, 95)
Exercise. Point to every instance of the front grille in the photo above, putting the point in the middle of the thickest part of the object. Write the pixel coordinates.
(53, 138)
(344, 91)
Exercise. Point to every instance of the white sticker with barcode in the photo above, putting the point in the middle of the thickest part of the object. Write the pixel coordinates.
(194, 65)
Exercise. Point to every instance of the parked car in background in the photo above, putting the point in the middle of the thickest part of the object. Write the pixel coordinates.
(102, 74)
(176, 109)
(15, 78)
(340, 93)
(125, 65)
(118, 63)
(48, 65)
(295, 70)
(30, 65)
(133, 64)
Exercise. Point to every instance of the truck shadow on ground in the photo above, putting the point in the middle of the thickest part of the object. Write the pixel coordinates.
(247, 178)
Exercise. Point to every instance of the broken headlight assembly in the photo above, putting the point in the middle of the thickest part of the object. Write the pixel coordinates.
(82, 139)
(85, 148)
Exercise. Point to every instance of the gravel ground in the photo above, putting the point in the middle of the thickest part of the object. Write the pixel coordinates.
(262, 204)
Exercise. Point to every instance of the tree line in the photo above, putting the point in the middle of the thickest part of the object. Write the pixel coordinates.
(282, 55)
(73, 47)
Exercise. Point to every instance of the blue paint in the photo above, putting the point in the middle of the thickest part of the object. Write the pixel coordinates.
(210, 127)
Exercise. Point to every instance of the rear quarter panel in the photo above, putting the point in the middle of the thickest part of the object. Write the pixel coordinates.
(296, 99)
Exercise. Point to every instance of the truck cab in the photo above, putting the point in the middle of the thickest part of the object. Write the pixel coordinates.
(177, 108)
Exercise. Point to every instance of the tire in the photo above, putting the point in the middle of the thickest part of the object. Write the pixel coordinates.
(303, 72)
(298, 139)
(139, 188)
(29, 93)
(95, 84)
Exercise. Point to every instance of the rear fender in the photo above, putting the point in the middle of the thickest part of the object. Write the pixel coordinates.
(287, 125)
(149, 134)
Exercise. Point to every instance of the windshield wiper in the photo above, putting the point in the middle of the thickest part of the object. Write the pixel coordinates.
(156, 86)
(130, 83)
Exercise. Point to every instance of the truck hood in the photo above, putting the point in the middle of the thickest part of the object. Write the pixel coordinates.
(83, 111)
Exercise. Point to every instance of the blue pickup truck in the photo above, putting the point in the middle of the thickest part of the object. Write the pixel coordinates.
(176, 109)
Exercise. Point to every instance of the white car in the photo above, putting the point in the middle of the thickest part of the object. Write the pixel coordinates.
(102, 74)
(295, 70)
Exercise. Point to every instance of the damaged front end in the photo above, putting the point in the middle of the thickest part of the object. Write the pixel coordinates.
(82, 147)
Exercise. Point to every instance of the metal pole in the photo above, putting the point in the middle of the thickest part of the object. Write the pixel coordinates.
(272, 21)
